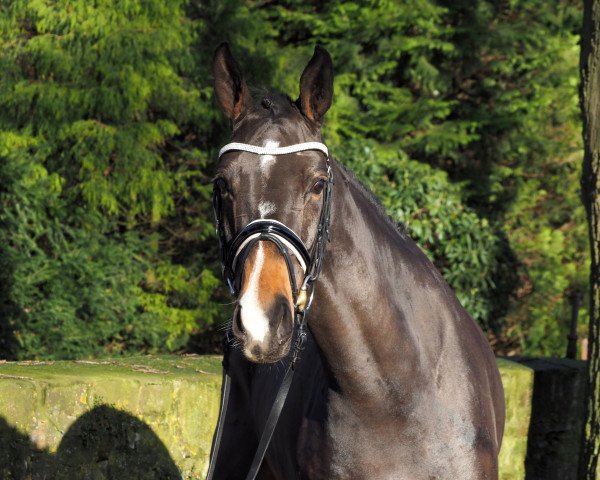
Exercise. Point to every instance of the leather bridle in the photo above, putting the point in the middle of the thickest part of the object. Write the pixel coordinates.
(234, 253)
(288, 243)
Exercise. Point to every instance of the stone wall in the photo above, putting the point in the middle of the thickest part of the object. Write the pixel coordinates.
(153, 418)
(138, 418)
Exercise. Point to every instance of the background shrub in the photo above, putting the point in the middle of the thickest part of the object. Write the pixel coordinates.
(461, 116)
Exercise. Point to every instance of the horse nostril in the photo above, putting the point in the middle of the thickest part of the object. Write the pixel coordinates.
(282, 319)
(237, 326)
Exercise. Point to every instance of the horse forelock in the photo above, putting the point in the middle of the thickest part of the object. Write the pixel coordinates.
(269, 104)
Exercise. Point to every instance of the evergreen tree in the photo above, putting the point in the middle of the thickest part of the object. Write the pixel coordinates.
(96, 100)
(514, 72)
(590, 108)
(461, 117)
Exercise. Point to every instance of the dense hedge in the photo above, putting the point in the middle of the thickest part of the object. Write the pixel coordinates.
(461, 116)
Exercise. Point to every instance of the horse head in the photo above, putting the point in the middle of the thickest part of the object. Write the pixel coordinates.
(269, 203)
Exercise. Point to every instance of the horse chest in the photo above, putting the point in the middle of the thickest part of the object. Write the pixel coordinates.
(348, 446)
(344, 446)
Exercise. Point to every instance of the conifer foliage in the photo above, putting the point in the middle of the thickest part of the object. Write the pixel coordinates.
(93, 106)
(460, 116)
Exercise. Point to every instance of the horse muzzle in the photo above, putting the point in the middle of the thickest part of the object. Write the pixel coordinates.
(264, 316)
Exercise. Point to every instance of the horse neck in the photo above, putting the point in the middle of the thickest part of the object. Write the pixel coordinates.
(359, 319)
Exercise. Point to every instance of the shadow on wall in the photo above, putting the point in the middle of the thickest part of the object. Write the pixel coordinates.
(103, 444)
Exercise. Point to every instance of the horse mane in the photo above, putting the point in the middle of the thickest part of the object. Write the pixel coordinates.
(400, 227)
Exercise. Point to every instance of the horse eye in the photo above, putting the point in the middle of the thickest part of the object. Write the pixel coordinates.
(318, 187)
(221, 186)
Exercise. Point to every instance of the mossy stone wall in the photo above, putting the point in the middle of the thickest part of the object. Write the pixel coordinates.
(147, 418)
(153, 417)
(518, 383)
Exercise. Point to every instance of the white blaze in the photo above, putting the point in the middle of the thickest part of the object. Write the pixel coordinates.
(266, 161)
(266, 208)
(253, 317)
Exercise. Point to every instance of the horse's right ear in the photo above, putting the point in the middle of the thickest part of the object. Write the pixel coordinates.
(230, 87)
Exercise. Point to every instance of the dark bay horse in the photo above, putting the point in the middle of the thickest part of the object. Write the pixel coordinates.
(395, 381)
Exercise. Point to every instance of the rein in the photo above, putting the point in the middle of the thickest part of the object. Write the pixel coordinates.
(233, 256)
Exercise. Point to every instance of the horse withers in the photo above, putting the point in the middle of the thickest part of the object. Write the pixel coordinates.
(395, 380)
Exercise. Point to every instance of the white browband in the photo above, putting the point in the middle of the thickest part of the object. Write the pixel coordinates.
(298, 147)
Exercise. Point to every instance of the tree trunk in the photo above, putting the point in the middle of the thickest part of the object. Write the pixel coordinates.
(590, 106)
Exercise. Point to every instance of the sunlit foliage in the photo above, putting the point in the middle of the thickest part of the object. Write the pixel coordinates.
(460, 116)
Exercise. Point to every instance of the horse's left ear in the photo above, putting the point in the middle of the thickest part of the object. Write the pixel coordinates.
(316, 86)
